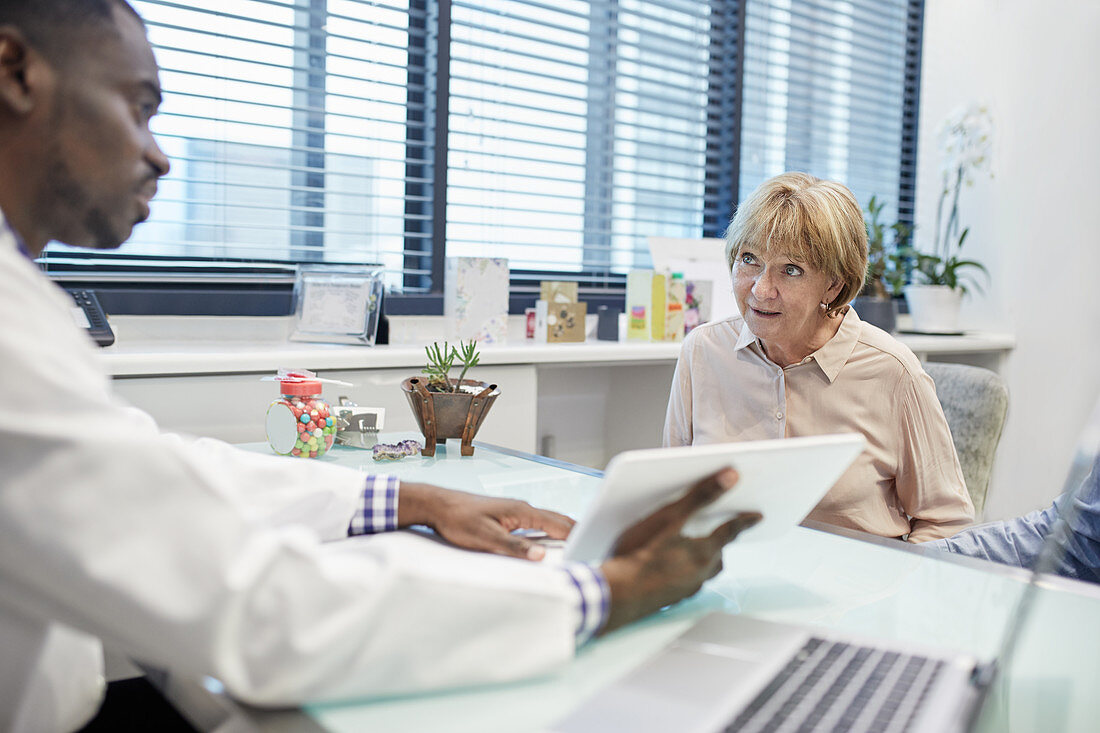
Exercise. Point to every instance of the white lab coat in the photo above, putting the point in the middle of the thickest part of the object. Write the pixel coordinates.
(195, 556)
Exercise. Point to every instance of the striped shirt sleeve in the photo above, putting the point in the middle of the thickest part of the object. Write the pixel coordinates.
(377, 508)
(593, 599)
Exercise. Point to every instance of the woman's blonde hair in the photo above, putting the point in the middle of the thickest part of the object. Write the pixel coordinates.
(809, 219)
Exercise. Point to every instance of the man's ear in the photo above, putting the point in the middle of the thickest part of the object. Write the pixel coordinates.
(17, 92)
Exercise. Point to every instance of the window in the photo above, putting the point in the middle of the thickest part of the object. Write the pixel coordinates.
(824, 92)
(559, 135)
(287, 123)
(577, 130)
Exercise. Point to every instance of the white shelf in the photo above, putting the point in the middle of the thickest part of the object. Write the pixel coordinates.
(968, 343)
(138, 353)
(569, 401)
(199, 357)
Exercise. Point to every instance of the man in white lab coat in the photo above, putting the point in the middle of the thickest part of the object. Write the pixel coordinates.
(197, 557)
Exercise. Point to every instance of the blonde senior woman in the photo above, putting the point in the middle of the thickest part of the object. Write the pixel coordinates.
(798, 361)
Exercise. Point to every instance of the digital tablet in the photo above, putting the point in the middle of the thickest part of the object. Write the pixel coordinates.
(782, 479)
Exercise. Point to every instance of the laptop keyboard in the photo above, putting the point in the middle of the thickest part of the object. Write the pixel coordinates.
(834, 686)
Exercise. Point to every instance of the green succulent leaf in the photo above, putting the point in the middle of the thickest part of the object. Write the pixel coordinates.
(440, 361)
(469, 358)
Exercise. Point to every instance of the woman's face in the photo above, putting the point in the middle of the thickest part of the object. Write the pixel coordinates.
(780, 299)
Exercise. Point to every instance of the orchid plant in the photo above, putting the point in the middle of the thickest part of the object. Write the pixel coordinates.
(966, 146)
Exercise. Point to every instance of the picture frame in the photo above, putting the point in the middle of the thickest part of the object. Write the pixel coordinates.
(337, 304)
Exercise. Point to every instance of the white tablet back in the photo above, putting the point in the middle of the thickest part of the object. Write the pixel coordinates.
(781, 479)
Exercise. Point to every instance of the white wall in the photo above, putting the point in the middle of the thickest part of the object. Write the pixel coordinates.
(1037, 65)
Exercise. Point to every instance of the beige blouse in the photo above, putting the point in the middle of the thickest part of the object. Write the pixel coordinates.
(907, 481)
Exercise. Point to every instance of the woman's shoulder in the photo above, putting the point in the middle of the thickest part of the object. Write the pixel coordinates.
(894, 353)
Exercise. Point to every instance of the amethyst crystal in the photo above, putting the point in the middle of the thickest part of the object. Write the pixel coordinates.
(395, 451)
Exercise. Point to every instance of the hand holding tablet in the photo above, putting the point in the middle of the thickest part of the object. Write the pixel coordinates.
(781, 479)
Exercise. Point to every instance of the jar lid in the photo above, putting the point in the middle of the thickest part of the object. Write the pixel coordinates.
(299, 388)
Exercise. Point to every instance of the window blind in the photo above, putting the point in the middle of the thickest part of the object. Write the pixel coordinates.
(577, 129)
(287, 123)
(825, 92)
(560, 134)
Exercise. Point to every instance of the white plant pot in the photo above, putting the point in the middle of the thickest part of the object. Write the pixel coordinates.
(934, 308)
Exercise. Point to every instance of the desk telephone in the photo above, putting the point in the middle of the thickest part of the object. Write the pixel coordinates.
(88, 313)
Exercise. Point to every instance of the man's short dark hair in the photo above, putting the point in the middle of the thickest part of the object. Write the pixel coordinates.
(51, 26)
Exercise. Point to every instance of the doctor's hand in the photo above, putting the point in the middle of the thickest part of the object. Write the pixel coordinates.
(479, 522)
(653, 565)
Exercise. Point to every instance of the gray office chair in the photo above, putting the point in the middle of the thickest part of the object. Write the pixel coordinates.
(975, 402)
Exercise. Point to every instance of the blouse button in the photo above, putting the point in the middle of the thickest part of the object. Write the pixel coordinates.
(779, 416)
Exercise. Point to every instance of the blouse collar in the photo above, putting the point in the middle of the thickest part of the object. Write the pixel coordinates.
(831, 357)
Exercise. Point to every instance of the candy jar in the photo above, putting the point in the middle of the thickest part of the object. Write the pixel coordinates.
(300, 422)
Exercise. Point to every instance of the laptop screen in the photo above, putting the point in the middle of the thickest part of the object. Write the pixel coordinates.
(1063, 549)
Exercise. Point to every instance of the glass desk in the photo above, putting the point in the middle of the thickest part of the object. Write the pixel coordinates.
(816, 575)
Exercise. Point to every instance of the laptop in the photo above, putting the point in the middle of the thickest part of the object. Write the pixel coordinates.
(730, 673)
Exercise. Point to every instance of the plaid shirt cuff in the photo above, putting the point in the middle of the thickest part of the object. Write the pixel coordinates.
(377, 509)
(593, 599)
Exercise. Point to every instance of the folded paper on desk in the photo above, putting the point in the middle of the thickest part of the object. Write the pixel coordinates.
(782, 479)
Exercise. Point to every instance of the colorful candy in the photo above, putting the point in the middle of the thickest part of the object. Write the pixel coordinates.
(300, 424)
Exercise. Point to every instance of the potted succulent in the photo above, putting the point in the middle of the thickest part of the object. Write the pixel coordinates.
(446, 408)
(941, 277)
(885, 275)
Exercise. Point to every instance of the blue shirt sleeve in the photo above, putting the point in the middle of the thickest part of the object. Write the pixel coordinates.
(1082, 560)
(1019, 541)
